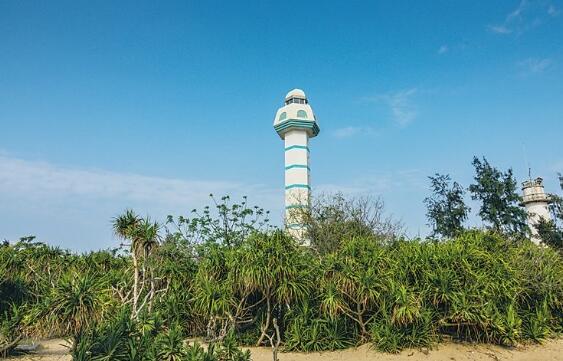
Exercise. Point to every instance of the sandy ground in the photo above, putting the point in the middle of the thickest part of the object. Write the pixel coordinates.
(55, 350)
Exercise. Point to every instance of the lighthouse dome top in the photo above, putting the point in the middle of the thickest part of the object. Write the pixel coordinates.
(296, 113)
(296, 93)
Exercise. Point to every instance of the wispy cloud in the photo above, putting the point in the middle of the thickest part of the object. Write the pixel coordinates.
(527, 15)
(500, 29)
(443, 49)
(379, 183)
(347, 132)
(534, 65)
(400, 104)
(72, 207)
(40, 180)
(402, 108)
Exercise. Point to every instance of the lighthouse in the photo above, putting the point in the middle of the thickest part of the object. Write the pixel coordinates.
(536, 202)
(295, 123)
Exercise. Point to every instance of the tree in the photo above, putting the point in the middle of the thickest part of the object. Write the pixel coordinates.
(556, 206)
(497, 192)
(550, 234)
(76, 302)
(551, 231)
(353, 280)
(276, 267)
(446, 208)
(144, 237)
(229, 224)
(333, 219)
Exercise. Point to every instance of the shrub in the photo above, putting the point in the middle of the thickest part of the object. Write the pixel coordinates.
(74, 303)
(309, 331)
(123, 339)
(266, 289)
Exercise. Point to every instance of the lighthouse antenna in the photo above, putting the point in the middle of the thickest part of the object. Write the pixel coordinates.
(527, 164)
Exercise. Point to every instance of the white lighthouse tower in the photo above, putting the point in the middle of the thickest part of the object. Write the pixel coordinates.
(536, 202)
(295, 123)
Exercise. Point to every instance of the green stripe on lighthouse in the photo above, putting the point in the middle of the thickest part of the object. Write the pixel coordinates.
(290, 186)
(297, 147)
(308, 125)
(291, 166)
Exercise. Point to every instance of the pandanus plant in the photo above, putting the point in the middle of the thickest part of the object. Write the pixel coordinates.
(353, 281)
(144, 238)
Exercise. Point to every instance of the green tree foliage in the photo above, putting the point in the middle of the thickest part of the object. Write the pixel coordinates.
(144, 238)
(498, 193)
(226, 223)
(550, 234)
(333, 219)
(352, 282)
(551, 231)
(75, 302)
(275, 266)
(310, 330)
(258, 280)
(446, 210)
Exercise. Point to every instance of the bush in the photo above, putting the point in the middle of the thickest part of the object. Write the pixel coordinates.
(123, 339)
(309, 331)
(10, 330)
(266, 289)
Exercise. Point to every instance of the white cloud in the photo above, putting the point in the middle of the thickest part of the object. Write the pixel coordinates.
(534, 65)
(500, 29)
(33, 179)
(72, 207)
(48, 185)
(379, 183)
(347, 132)
(401, 106)
(527, 15)
(443, 49)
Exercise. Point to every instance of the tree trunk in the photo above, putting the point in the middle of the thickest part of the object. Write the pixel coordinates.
(152, 290)
(278, 341)
(267, 324)
(361, 322)
(135, 284)
(6, 348)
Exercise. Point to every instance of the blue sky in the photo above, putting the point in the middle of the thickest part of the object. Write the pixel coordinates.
(153, 105)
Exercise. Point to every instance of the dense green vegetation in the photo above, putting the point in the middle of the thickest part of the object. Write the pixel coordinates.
(225, 276)
(270, 291)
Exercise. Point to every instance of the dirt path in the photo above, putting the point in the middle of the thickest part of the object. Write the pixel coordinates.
(55, 350)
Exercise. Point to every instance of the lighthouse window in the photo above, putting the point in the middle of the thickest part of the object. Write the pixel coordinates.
(301, 114)
(283, 116)
(296, 101)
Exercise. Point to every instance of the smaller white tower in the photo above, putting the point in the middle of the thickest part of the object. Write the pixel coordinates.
(295, 123)
(536, 202)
